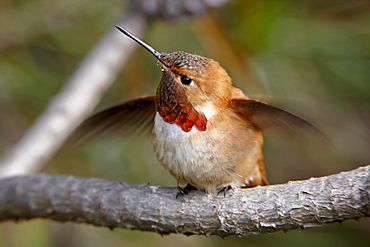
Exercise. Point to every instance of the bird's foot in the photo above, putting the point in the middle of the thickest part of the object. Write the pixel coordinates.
(225, 189)
(185, 191)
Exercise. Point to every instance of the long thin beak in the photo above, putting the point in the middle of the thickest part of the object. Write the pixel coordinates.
(155, 53)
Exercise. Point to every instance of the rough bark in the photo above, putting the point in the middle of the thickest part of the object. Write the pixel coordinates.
(298, 204)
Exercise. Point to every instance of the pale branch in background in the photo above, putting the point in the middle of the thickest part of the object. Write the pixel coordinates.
(298, 204)
(174, 9)
(74, 102)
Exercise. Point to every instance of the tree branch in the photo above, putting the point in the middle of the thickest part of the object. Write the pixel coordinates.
(297, 204)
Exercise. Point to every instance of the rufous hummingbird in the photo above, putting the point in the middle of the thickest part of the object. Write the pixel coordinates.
(206, 132)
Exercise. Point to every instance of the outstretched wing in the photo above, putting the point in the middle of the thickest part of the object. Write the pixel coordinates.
(127, 118)
(264, 116)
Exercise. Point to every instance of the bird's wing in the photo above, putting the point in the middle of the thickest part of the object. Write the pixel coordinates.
(264, 116)
(133, 116)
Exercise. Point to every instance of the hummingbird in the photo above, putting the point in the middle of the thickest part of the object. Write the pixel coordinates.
(205, 132)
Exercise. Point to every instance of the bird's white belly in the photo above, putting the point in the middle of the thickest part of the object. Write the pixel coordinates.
(195, 157)
(181, 152)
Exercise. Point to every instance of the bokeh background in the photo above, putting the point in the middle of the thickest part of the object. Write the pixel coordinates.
(309, 57)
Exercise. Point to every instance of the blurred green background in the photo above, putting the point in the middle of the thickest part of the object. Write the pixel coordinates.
(309, 57)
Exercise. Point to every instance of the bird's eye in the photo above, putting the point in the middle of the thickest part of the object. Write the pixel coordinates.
(186, 80)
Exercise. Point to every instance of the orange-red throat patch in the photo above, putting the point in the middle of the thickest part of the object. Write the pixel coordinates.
(184, 116)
